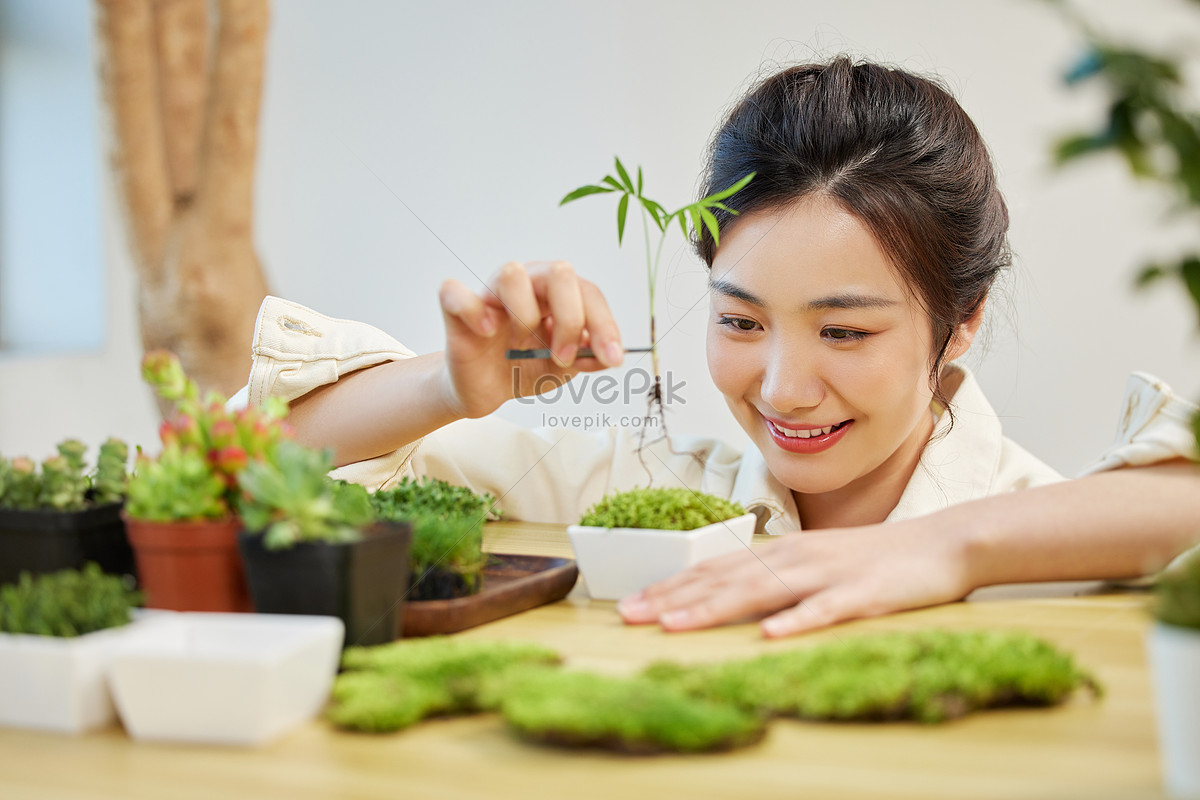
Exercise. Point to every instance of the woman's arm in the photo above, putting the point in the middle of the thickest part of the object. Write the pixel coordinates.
(1116, 524)
(378, 409)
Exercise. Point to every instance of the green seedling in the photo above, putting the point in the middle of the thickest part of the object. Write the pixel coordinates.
(654, 214)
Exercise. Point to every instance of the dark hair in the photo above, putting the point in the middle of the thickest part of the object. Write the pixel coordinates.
(893, 149)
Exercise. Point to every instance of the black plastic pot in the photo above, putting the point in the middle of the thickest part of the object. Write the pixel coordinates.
(47, 541)
(364, 582)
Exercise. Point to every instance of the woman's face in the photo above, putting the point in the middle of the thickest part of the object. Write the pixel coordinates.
(821, 352)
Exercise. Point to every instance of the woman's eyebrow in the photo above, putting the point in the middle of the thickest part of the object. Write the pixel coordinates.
(845, 300)
(850, 300)
(738, 293)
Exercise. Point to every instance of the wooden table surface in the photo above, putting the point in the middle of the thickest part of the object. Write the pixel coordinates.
(1087, 749)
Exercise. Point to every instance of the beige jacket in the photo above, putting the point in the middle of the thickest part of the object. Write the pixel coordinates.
(554, 475)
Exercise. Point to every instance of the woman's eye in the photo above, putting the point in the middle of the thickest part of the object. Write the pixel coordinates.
(738, 323)
(843, 335)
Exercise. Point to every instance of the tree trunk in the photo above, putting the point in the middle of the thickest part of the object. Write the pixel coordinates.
(185, 131)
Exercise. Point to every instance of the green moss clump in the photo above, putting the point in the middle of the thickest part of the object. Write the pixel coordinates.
(927, 676)
(667, 509)
(391, 687)
(634, 715)
(66, 603)
(1177, 594)
(446, 553)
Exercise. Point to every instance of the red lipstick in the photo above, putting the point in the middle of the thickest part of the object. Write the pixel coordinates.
(813, 444)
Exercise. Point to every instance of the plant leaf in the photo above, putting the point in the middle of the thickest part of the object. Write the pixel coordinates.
(622, 209)
(694, 213)
(613, 182)
(724, 193)
(639, 183)
(583, 191)
(710, 222)
(682, 221)
(656, 211)
(624, 176)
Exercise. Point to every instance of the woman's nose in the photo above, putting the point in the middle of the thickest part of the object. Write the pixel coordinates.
(791, 382)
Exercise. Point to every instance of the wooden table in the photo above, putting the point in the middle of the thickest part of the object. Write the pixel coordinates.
(1086, 749)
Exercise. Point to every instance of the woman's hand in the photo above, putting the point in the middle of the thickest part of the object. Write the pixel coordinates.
(524, 306)
(812, 580)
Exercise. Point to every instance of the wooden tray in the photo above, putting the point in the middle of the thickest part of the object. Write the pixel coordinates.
(510, 584)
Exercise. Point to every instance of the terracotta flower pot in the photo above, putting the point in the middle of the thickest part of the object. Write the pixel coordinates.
(363, 583)
(190, 566)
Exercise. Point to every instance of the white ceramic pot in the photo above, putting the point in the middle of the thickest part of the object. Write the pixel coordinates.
(58, 683)
(1175, 672)
(617, 562)
(226, 678)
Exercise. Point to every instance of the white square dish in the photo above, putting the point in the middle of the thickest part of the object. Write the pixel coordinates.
(58, 683)
(617, 562)
(225, 678)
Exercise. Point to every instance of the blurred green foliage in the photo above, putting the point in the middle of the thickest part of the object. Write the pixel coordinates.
(63, 482)
(66, 603)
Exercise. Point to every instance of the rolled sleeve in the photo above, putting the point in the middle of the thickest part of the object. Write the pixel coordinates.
(1155, 426)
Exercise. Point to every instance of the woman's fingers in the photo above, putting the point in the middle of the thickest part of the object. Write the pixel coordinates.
(558, 287)
(602, 333)
(834, 605)
(461, 305)
(512, 290)
(551, 306)
(730, 603)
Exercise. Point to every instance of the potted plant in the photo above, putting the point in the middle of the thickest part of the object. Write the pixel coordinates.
(1174, 647)
(454, 584)
(62, 516)
(446, 555)
(632, 539)
(1152, 123)
(56, 637)
(181, 512)
(313, 545)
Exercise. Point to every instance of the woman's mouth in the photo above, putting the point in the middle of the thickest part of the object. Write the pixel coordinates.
(809, 439)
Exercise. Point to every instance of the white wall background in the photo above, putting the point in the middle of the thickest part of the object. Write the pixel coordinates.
(481, 115)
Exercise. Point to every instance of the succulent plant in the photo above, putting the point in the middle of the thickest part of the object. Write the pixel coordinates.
(216, 441)
(66, 603)
(179, 485)
(62, 482)
(291, 498)
(666, 509)
(110, 480)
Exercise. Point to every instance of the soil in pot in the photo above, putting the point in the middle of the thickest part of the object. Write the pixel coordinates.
(190, 566)
(48, 541)
(363, 583)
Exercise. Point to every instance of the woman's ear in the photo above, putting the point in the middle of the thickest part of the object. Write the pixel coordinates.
(964, 334)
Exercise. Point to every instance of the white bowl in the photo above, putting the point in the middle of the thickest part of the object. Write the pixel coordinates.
(225, 678)
(57, 683)
(617, 562)
(1175, 672)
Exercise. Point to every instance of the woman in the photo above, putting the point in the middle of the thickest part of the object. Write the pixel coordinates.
(855, 271)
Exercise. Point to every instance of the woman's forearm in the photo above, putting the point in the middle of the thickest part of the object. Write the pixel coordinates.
(375, 410)
(1120, 524)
